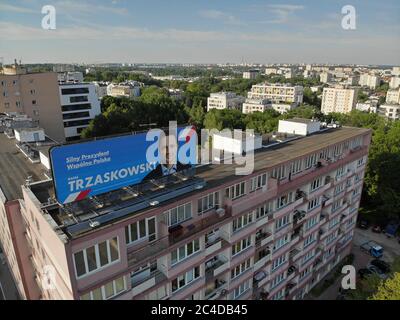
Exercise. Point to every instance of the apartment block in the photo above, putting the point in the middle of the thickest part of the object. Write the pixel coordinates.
(390, 111)
(253, 105)
(338, 99)
(325, 77)
(393, 96)
(33, 94)
(394, 83)
(210, 234)
(369, 80)
(79, 105)
(251, 74)
(277, 93)
(224, 100)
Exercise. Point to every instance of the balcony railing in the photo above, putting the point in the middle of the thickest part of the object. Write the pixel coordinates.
(158, 247)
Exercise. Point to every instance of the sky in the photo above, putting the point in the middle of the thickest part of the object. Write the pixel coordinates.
(200, 31)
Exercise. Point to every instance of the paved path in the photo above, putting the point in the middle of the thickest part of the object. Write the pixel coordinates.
(8, 290)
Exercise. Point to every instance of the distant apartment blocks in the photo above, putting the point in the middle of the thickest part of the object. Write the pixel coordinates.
(277, 93)
(207, 234)
(338, 99)
(224, 100)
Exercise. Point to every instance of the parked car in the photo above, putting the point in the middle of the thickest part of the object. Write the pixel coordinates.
(377, 271)
(363, 224)
(383, 265)
(391, 229)
(377, 229)
(364, 272)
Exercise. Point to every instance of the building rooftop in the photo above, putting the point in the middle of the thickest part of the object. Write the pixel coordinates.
(77, 219)
(301, 120)
(15, 169)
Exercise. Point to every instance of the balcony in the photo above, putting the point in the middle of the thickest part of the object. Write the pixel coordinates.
(159, 247)
(298, 217)
(260, 279)
(263, 258)
(217, 290)
(263, 238)
(294, 255)
(216, 266)
(139, 285)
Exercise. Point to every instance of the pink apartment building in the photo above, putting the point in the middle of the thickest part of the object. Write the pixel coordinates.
(208, 234)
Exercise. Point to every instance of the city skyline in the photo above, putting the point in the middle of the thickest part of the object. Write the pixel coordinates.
(206, 32)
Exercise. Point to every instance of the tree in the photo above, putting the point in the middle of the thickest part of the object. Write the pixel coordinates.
(388, 289)
(224, 119)
(196, 116)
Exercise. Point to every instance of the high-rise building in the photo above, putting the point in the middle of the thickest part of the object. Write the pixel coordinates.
(271, 235)
(369, 80)
(251, 74)
(33, 94)
(253, 105)
(224, 100)
(393, 96)
(394, 82)
(79, 105)
(277, 93)
(338, 99)
(325, 77)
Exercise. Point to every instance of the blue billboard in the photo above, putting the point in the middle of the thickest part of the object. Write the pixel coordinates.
(91, 168)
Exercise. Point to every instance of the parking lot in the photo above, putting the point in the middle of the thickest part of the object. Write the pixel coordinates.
(361, 259)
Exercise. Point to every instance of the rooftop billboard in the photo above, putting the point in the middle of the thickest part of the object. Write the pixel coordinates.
(91, 168)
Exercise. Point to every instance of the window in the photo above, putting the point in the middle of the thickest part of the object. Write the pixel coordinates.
(241, 245)
(311, 223)
(6, 105)
(108, 291)
(296, 167)
(140, 230)
(185, 279)
(242, 288)
(179, 214)
(75, 107)
(315, 184)
(75, 115)
(304, 273)
(340, 172)
(264, 210)
(281, 242)
(278, 262)
(76, 123)
(242, 221)
(332, 237)
(309, 240)
(279, 295)
(310, 161)
(15, 82)
(284, 200)
(279, 173)
(308, 256)
(240, 268)
(360, 162)
(33, 91)
(334, 222)
(185, 251)
(282, 222)
(78, 99)
(74, 91)
(258, 182)
(18, 104)
(34, 102)
(337, 204)
(277, 280)
(312, 204)
(3, 83)
(235, 191)
(208, 202)
(339, 188)
(96, 257)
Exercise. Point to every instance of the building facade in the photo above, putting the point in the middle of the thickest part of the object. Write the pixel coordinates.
(79, 105)
(390, 111)
(277, 93)
(338, 99)
(224, 100)
(253, 105)
(33, 94)
(393, 96)
(271, 235)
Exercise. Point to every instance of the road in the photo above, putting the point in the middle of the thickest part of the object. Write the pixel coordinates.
(8, 290)
(361, 259)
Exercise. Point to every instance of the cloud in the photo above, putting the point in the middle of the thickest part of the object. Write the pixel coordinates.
(221, 16)
(10, 8)
(281, 12)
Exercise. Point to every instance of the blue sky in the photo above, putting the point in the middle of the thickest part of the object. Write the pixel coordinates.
(201, 31)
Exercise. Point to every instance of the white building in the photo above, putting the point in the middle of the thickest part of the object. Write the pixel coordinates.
(224, 100)
(299, 126)
(370, 81)
(325, 77)
(251, 74)
(394, 83)
(29, 134)
(307, 74)
(253, 105)
(79, 104)
(101, 89)
(353, 80)
(390, 111)
(338, 99)
(396, 71)
(283, 107)
(269, 71)
(368, 106)
(277, 93)
(393, 96)
(129, 90)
